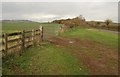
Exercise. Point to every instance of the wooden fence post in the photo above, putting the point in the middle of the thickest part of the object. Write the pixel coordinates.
(41, 30)
(39, 35)
(6, 42)
(23, 39)
(33, 35)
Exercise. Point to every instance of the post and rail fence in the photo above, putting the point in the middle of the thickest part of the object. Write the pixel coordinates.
(20, 40)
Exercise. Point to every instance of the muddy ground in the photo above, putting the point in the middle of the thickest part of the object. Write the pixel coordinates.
(99, 59)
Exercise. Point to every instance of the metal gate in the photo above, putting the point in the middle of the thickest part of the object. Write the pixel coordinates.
(51, 30)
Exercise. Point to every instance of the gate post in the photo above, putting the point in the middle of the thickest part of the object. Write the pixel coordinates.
(33, 35)
(23, 40)
(41, 29)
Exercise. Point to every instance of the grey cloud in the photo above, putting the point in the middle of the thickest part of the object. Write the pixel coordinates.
(90, 10)
(60, 0)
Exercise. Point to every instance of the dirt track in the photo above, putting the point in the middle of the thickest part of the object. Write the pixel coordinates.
(116, 32)
(97, 58)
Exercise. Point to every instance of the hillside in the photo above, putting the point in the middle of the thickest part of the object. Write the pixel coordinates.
(15, 21)
(80, 21)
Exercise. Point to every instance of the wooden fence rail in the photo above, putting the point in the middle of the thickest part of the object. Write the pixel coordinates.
(20, 39)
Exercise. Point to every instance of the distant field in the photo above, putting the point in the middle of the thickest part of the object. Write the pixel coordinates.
(8, 27)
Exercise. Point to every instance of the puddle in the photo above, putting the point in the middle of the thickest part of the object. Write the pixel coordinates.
(71, 42)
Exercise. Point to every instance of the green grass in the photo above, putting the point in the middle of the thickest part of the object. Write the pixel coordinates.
(45, 60)
(105, 38)
(49, 59)
(19, 26)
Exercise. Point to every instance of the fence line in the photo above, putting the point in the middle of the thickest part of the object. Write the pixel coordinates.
(21, 38)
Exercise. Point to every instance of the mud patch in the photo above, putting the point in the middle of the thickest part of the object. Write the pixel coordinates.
(98, 58)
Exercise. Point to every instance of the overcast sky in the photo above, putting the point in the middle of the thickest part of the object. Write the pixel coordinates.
(48, 11)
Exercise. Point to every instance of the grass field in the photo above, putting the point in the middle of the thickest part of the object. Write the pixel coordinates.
(9, 27)
(78, 51)
(106, 38)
